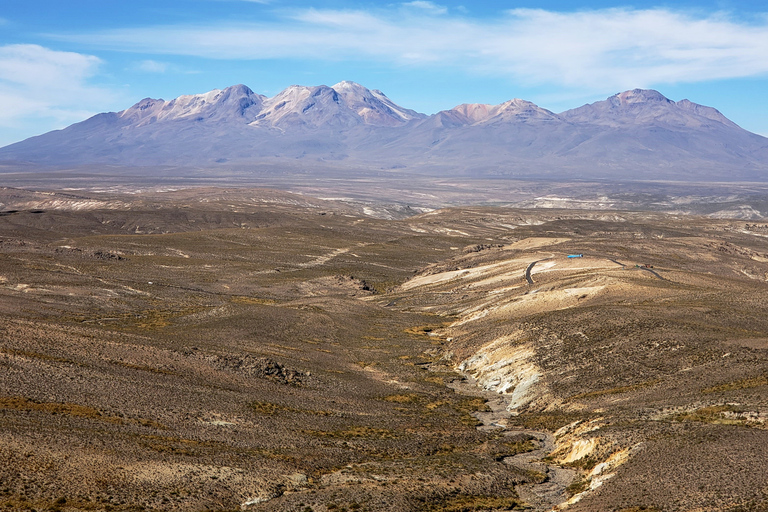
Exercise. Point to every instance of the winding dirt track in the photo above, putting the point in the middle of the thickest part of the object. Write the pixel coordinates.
(530, 267)
(528, 272)
(652, 272)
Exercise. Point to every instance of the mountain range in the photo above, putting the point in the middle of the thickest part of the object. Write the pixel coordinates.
(634, 135)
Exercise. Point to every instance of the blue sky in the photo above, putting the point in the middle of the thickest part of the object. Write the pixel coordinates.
(61, 62)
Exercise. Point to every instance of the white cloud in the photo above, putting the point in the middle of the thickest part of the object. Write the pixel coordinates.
(151, 66)
(609, 48)
(629, 47)
(45, 88)
(427, 6)
(32, 65)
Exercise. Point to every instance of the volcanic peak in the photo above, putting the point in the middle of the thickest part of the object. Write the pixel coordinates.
(510, 111)
(638, 96)
(235, 101)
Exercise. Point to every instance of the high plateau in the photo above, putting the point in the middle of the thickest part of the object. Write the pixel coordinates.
(250, 349)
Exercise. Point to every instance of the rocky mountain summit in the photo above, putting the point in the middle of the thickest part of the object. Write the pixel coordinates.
(637, 134)
(346, 104)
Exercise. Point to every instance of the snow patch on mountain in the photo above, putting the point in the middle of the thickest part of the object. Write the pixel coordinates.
(234, 101)
(373, 106)
(515, 110)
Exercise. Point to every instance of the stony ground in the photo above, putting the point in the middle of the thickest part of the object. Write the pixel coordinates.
(251, 349)
(649, 350)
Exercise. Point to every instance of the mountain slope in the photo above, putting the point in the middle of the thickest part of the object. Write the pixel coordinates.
(638, 134)
(645, 126)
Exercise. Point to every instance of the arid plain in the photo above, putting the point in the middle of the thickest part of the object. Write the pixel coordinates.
(249, 349)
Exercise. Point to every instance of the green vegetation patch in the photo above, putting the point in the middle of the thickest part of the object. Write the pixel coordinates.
(503, 447)
(67, 409)
(70, 409)
(474, 404)
(715, 414)
(155, 319)
(547, 420)
(613, 391)
(470, 503)
(441, 378)
(503, 450)
(404, 398)
(578, 485)
(470, 405)
(37, 355)
(175, 445)
(143, 368)
(748, 383)
(272, 409)
(422, 330)
(242, 299)
(352, 432)
(585, 463)
(751, 506)
(536, 477)
(21, 502)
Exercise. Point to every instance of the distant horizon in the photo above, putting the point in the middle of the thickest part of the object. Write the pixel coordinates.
(62, 63)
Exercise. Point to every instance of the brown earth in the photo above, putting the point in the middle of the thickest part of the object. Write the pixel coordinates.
(226, 349)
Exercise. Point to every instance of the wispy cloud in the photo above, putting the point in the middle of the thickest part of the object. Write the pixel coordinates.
(38, 84)
(614, 48)
(427, 6)
(151, 66)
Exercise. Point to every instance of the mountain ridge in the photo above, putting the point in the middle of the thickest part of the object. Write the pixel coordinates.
(639, 133)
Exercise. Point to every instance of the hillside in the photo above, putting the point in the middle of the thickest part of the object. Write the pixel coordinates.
(217, 349)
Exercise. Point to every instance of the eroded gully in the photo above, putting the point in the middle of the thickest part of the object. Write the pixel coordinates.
(551, 492)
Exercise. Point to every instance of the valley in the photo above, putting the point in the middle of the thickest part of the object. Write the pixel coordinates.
(253, 349)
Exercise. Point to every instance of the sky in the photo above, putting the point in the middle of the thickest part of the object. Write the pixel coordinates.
(61, 62)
